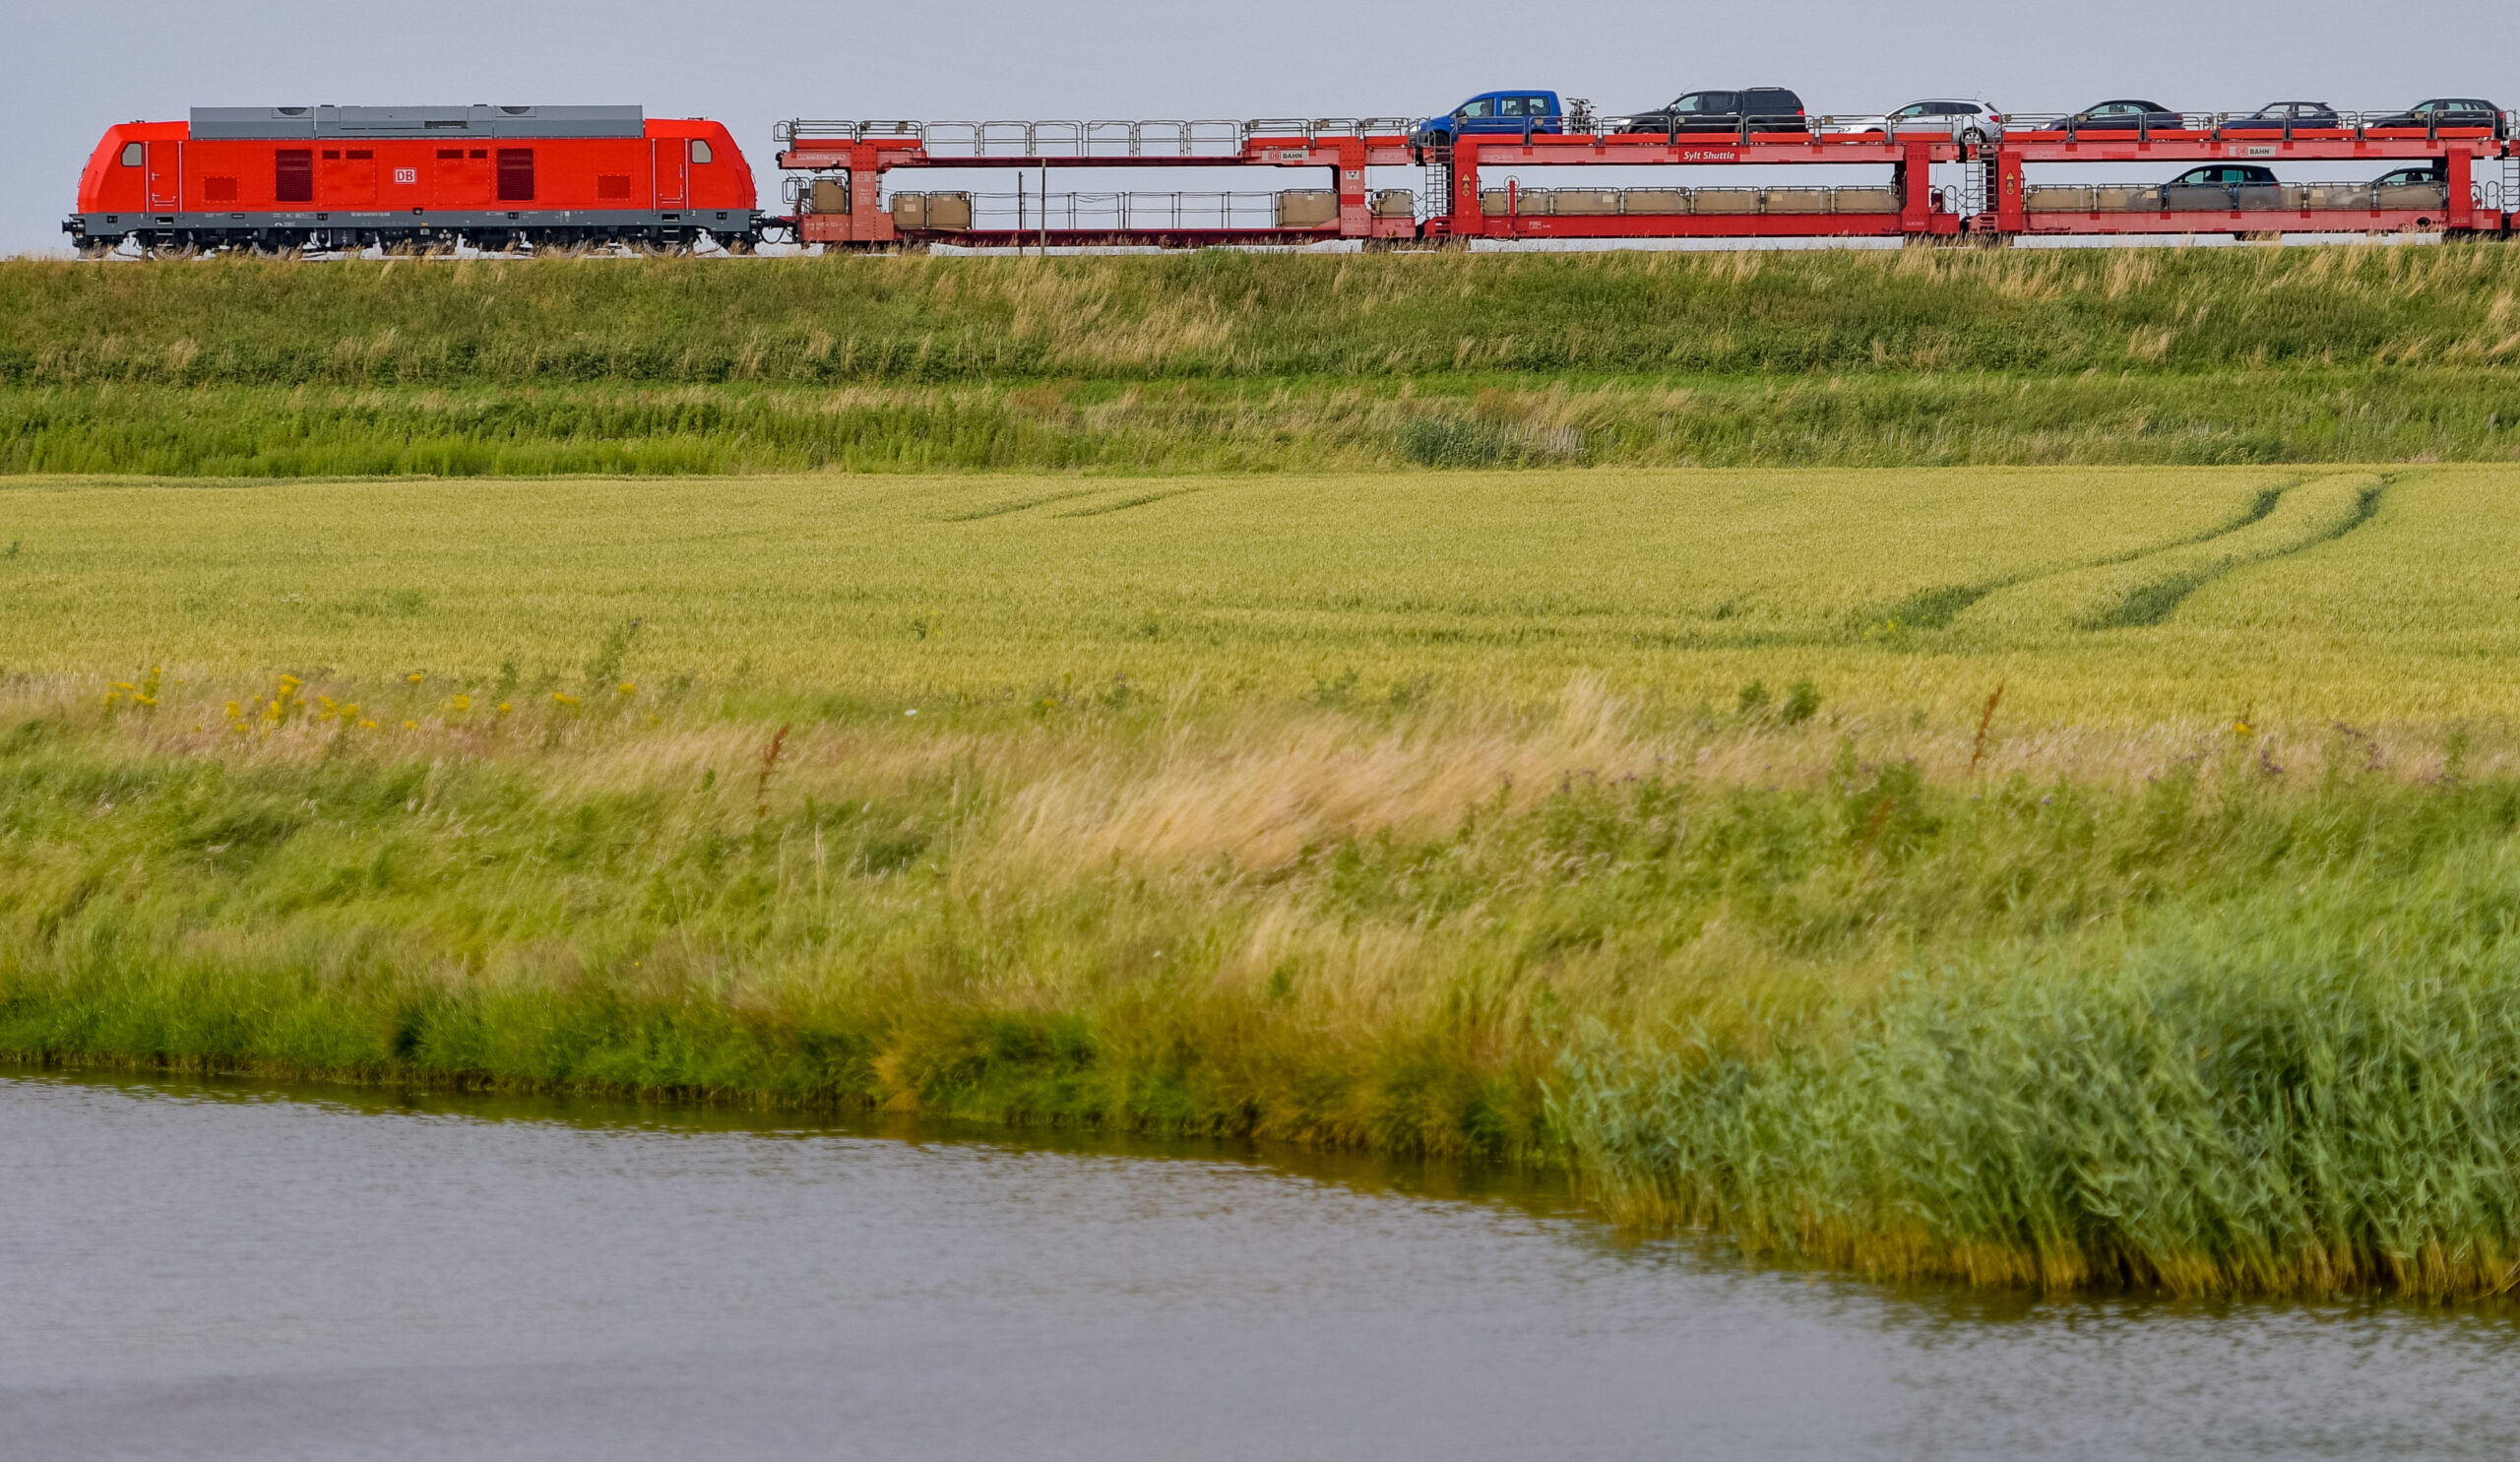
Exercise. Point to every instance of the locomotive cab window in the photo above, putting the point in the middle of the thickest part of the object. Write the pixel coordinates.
(131, 154)
(699, 151)
(516, 175)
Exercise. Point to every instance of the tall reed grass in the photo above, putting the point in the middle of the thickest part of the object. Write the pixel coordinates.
(2303, 1089)
(1849, 997)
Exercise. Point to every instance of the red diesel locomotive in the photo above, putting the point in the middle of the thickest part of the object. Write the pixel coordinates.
(271, 179)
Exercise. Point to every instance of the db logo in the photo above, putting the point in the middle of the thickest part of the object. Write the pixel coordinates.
(406, 175)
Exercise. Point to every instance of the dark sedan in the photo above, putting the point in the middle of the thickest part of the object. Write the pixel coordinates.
(1752, 109)
(2123, 115)
(2281, 117)
(2447, 115)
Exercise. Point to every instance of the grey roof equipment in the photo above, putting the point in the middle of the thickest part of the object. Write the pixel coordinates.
(239, 123)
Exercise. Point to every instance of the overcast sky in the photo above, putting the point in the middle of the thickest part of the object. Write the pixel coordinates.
(76, 68)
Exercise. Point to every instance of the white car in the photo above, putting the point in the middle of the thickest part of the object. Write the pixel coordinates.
(1961, 120)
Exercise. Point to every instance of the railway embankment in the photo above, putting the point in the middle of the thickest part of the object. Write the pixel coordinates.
(1240, 362)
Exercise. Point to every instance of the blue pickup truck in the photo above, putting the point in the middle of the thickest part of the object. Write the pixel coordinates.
(1517, 110)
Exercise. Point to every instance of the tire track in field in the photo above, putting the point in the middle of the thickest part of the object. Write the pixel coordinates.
(1126, 503)
(2148, 589)
(2157, 600)
(1019, 504)
(1044, 499)
(1936, 608)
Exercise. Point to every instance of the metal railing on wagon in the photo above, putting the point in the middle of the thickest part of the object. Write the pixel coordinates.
(1131, 212)
(2217, 124)
(2144, 198)
(1203, 138)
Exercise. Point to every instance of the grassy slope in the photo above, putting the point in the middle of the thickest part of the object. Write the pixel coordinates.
(1231, 360)
(1354, 811)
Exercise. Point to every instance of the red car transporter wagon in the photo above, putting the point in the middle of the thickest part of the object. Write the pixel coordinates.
(271, 178)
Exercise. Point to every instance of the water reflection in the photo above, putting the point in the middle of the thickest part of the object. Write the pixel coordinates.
(212, 1271)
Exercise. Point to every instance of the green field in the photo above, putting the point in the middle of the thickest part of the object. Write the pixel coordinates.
(2124, 599)
(2056, 875)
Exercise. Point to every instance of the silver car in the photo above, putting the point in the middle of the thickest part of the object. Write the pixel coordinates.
(1962, 119)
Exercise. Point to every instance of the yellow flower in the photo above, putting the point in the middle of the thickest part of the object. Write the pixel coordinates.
(2239, 728)
(368, 726)
(417, 676)
(411, 725)
(564, 698)
(460, 703)
(625, 688)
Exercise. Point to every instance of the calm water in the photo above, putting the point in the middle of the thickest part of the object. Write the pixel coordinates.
(193, 1272)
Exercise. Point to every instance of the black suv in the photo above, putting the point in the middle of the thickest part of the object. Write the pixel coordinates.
(2448, 114)
(2240, 186)
(1751, 110)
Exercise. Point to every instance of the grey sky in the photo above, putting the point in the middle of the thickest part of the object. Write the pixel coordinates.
(76, 68)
